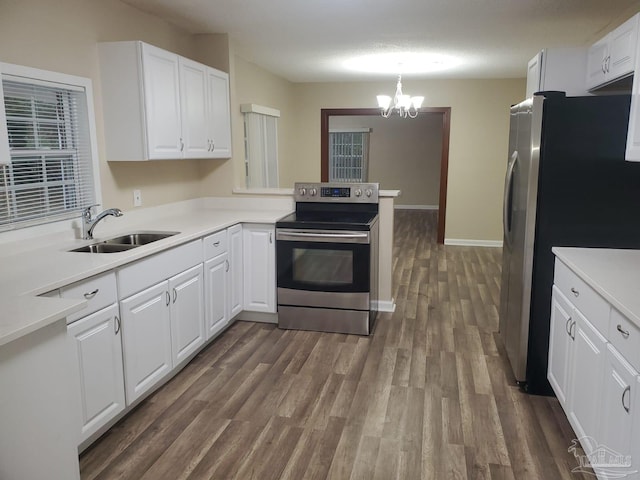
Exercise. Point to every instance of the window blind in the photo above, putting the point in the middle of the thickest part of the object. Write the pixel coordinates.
(50, 176)
(348, 156)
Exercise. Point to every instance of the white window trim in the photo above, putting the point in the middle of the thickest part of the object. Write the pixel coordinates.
(69, 81)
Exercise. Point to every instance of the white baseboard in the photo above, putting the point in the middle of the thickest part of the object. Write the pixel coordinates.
(416, 207)
(464, 242)
(258, 317)
(387, 305)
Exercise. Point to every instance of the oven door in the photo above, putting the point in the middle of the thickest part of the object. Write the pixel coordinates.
(321, 268)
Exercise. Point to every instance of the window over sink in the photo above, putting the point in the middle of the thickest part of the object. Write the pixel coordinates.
(48, 164)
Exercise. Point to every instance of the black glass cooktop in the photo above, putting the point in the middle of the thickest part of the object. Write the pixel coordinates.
(350, 218)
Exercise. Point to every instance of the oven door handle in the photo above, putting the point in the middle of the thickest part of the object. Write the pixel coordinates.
(324, 237)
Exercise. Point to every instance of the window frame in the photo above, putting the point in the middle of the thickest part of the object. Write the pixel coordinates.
(363, 158)
(35, 76)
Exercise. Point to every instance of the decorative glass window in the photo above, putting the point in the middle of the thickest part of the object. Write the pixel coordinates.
(348, 155)
(50, 172)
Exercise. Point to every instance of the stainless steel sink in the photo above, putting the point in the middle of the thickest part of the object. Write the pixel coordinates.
(124, 242)
(140, 238)
(103, 248)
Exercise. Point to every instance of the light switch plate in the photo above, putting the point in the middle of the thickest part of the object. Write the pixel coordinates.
(137, 198)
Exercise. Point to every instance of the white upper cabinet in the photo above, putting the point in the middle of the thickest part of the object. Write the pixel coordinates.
(158, 105)
(559, 69)
(613, 56)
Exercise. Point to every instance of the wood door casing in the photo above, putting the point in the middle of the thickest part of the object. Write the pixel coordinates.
(326, 113)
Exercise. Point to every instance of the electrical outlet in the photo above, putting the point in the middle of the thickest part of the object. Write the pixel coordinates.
(137, 198)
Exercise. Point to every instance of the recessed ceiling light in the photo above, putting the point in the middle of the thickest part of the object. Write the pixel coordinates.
(401, 63)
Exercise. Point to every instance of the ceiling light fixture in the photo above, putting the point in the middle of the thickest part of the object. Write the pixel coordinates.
(404, 105)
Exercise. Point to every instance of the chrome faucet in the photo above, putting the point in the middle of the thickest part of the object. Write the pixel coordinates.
(89, 223)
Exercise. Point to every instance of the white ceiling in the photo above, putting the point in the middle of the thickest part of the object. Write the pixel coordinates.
(309, 40)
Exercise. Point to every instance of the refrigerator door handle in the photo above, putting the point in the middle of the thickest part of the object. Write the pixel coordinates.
(506, 205)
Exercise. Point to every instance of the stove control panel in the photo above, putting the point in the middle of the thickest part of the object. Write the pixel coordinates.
(336, 192)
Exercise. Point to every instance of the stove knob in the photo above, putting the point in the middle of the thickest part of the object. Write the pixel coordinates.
(357, 192)
(369, 192)
(302, 191)
(313, 192)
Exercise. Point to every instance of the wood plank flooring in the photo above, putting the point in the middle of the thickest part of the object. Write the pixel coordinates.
(428, 396)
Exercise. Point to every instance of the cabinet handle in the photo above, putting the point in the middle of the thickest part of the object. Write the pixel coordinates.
(168, 297)
(175, 295)
(608, 63)
(117, 324)
(215, 244)
(575, 292)
(604, 65)
(90, 295)
(626, 390)
(181, 144)
(624, 333)
(572, 331)
(270, 237)
(567, 327)
(226, 262)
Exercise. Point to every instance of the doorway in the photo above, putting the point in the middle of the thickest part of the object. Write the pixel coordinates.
(326, 113)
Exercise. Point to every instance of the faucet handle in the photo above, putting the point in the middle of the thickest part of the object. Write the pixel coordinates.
(86, 211)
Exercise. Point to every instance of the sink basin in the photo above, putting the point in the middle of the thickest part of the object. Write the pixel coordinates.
(124, 242)
(140, 238)
(103, 248)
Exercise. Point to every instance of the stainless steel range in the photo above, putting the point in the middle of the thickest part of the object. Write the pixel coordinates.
(327, 259)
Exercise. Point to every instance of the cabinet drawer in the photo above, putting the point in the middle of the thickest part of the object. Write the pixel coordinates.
(215, 244)
(624, 335)
(585, 299)
(99, 291)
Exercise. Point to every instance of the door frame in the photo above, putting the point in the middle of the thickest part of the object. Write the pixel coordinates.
(325, 113)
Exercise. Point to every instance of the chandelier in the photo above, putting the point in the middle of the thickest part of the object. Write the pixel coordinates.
(404, 105)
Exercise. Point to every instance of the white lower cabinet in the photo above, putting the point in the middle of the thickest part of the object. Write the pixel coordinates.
(236, 273)
(98, 351)
(146, 330)
(595, 383)
(216, 284)
(187, 313)
(259, 268)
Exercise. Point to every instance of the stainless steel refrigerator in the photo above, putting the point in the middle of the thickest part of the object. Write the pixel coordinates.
(566, 184)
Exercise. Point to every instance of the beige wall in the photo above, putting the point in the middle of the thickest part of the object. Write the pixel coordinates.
(478, 144)
(404, 154)
(62, 36)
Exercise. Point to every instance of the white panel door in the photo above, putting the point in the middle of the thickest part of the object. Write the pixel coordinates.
(560, 344)
(146, 339)
(98, 351)
(596, 67)
(618, 412)
(622, 49)
(236, 271)
(162, 103)
(193, 98)
(216, 291)
(187, 313)
(219, 114)
(259, 268)
(587, 367)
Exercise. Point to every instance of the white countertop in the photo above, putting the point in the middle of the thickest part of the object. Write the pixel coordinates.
(613, 273)
(31, 268)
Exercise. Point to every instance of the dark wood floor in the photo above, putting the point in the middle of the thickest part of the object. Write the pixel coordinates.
(427, 396)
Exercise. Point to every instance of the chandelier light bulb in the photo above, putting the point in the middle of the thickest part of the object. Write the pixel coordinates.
(404, 105)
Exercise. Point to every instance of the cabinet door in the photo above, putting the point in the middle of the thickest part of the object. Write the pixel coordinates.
(596, 68)
(187, 313)
(193, 99)
(534, 71)
(146, 339)
(162, 103)
(560, 341)
(216, 291)
(622, 49)
(259, 268)
(236, 271)
(586, 376)
(219, 114)
(618, 412)
(98, 351)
